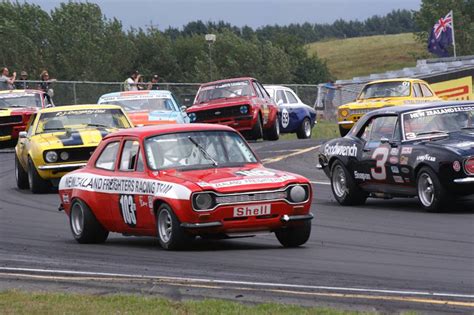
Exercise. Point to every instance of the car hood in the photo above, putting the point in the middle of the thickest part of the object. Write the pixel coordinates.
(16, 111)
(78, 137)
(374, 103)
(154, 117)
(236, 179)
(222, 102)
(461, 143)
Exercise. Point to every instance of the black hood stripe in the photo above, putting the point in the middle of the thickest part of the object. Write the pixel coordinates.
(71, 138)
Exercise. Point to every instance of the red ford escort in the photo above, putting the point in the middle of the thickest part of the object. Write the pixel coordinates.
(182, 181)
(242, 103)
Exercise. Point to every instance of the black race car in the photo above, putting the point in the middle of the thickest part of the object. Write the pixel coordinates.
(405, 151)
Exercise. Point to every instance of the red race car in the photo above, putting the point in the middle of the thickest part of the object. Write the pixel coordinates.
(16, 108)
(241, 103)
(182, 181)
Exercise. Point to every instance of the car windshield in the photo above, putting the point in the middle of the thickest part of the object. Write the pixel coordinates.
(22, 100)
(198, 149)
(148, 104)
(440, 121)
(224, 90)
(386, 89)
(81, 118)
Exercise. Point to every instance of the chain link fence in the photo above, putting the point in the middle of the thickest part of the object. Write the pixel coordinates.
(331, 96)
(88, 92)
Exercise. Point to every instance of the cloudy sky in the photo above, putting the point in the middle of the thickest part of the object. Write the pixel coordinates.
(176, 13)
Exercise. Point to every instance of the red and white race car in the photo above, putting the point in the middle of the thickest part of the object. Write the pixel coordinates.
(181, 181)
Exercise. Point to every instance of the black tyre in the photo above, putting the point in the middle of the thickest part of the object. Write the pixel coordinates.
(84, 226)
(344, 188)
(21, 175)
(343, 131)
(170, 233)
(36, 183)
(294, 236)
(273, 133)
(257, 130)
(305, 130)
(431, 193)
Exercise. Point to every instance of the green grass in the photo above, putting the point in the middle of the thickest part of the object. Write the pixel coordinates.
(322, 130)
(17, 302)
(359, 56)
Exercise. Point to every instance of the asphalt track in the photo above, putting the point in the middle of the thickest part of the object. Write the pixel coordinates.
(387, 255)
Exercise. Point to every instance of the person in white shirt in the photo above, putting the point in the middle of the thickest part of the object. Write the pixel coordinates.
(131, 84)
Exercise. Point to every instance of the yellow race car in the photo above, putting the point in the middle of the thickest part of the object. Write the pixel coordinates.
(60, 139)
(383, 93)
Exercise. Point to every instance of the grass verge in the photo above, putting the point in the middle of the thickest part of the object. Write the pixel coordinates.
(322, 130)
(359, 56)
(18, 302)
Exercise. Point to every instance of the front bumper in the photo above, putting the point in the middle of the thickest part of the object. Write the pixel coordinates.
(466, 180)
(61, 167)
(239, 123)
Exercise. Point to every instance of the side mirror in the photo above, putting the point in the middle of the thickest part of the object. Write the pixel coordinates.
(183, 108)
(384, 140)
(22, 134)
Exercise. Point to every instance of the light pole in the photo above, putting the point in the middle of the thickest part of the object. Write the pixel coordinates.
(210, 39)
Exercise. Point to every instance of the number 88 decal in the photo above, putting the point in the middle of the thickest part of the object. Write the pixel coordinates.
(380, 156)
(128, 210)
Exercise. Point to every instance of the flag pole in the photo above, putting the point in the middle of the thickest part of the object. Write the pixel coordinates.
(452, 32)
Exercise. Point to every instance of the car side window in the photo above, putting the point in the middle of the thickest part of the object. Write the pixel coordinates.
(378, 128)
(426, 91)
(281, 97)
(417, 90)
(129, 155)
(140, 165)
(291, 98)
(108, 156)
(259, 92)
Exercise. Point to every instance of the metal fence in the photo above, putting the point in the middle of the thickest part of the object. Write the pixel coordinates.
(329, 98)
(88, 92)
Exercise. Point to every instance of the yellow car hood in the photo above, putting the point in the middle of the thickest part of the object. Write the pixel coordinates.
(372, 103)
(77, 137)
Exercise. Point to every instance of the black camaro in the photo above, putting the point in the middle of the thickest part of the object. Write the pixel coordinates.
(405, 151)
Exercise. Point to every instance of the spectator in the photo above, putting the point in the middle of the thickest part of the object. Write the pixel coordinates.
(21, 83)
(44, 85)
(330, 94)
(153, 85)
(131, 84)
(6, 82)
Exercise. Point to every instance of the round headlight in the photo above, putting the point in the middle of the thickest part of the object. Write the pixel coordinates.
(244, 109)
(192, 117)
(344, 112)
(203, 201)
(51, 157)
(297, 194)
(64, 155)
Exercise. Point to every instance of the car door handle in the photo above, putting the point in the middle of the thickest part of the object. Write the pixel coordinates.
(366, 150)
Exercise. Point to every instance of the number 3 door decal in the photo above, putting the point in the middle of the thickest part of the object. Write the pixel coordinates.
(380, 156)
(128, 209)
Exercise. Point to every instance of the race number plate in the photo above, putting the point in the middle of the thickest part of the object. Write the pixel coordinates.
(252, 210)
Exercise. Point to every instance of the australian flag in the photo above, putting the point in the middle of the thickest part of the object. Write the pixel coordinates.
(441, 36)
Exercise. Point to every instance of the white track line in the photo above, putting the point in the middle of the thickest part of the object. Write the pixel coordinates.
(247, 283)
(285, 156)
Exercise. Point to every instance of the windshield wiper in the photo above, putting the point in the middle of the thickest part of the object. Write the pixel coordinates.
(467, 128)
(98, 125)
(432, 132)
(203, 151)
(54, 129)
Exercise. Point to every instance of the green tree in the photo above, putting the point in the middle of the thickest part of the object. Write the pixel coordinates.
(463, 13)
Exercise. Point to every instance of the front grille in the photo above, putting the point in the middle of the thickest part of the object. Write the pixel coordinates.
(360, 111)
(5, 130)
(212, 114)
(75, 154)
(11, 119)
(241, 198)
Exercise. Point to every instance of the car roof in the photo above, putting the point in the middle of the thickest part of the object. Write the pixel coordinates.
(397, 80)
(228, 80)
(78, 107)
(281, 87)
(165, 93)
(29, 91)
(409, 108)
(147, 131)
